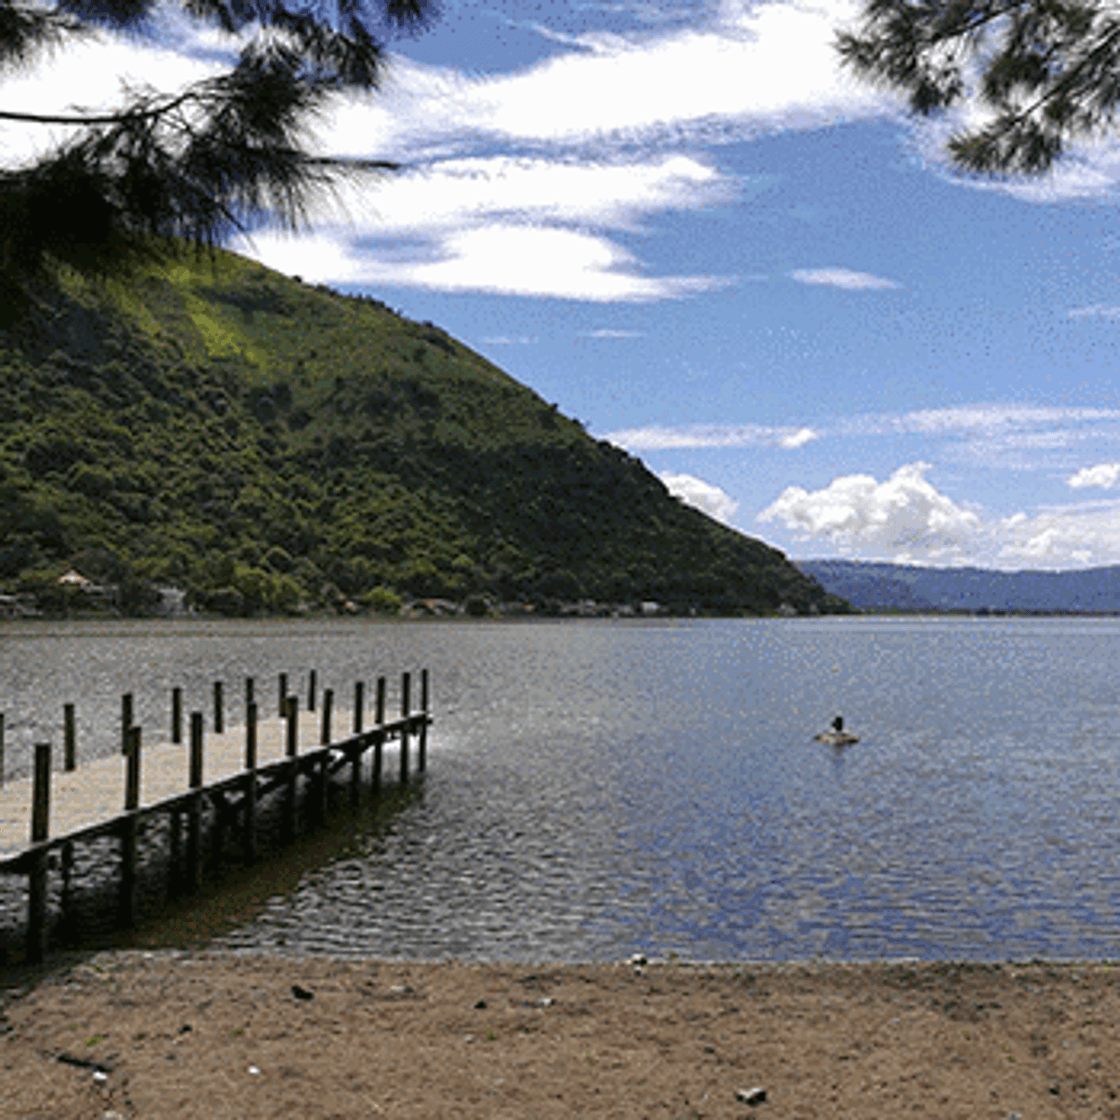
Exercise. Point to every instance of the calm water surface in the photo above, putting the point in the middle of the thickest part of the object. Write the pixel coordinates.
(599, 787)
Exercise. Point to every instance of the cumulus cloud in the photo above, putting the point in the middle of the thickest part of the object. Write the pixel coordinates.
(1075, 536)
(904, 517)
(705, 496)
(657, 438)
(1105, 475)
(843, 278)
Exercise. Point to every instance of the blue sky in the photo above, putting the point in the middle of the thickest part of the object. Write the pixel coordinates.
(686, 226)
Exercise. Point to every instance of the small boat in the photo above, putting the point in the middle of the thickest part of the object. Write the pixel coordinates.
(836, 736)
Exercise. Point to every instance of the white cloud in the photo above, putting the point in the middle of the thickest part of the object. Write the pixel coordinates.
(1076, 536)
(904, 517)
(843, 278)
(1088, 169)
(656, 438)
(505, 340)
(1009, 436)
(87, 75)
(447, 194)
(607, 332)
(502, 258)
(798, 439)
(512, 226)
(1096, 311)
(1105, 475)
(705, 496)
(760, 67)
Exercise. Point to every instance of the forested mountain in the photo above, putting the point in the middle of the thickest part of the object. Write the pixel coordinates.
(209, 424)
(883, 586)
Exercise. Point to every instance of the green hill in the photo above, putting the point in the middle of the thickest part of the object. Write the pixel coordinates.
(217, 426)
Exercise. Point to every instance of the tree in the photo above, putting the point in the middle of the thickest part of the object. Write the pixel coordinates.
(1049, 70)
(193, 165)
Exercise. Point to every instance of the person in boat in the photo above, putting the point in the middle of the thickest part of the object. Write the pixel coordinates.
(838, 723)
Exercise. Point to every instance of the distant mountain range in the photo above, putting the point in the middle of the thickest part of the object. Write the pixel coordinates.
(873, 586)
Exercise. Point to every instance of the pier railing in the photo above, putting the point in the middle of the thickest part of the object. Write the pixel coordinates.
(234, 769)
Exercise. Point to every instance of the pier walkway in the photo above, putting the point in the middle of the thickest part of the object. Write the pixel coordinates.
(229, 769)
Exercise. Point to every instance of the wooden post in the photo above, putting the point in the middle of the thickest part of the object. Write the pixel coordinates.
(283, 696)
(176, 715)
(311, 686)
(40, 824)
(41, 793)
(406, 702)
(194, 807)
(132, 773)
(359, 703)
(322, 771)
(68, 737)
(379, 719)
(126, 720)
(291, 713)
(249, 693)
(250, 777)
(328, 706)
(422, 760)
(126, 903)
(356, 754)
(1, 749)
(219, 714)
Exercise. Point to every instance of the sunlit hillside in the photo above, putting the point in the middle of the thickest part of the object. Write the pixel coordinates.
(222, 428)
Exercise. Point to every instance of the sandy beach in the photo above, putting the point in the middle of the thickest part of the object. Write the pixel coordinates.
(199, 1034)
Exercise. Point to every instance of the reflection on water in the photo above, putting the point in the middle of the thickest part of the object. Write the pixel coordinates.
(599, 787)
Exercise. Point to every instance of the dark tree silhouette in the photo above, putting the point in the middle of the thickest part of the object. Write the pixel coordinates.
(197, 164)
(1049, 70)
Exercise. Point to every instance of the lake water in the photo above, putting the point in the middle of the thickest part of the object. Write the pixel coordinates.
(596, 788)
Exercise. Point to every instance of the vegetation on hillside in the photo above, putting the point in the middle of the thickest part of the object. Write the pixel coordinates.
(213, 425)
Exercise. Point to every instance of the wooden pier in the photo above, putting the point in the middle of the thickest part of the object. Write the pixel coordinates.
(230, 770)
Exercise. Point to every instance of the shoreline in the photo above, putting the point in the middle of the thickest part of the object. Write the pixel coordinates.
(215, 1034)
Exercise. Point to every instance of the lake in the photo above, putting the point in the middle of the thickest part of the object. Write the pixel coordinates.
(601, 787)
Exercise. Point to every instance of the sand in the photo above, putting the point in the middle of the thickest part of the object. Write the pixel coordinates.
(201, 1034)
